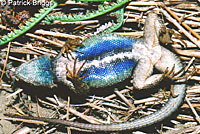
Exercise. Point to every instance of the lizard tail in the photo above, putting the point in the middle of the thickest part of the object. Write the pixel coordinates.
(163, 113)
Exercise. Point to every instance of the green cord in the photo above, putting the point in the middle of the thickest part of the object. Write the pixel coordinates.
(29, 24)
(89, 15)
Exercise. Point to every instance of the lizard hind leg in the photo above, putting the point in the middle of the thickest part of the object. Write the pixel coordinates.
(142, 74)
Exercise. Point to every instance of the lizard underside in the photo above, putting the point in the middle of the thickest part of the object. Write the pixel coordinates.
(108, 59)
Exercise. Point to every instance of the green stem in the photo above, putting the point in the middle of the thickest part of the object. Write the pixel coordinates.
(29, 24)
(88, 15)
(120, 14)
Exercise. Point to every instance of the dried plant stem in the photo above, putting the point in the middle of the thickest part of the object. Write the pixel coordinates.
(81, 115)
(183, 23)
(194, 40)
(193, 110)
(44, 39)
(130, 34)
(67, 115)
(23, 120)
(76, 22)
(56, 34)
(4, 27)
(4, 68)
(124, 99)
(191, 53)
(151, 3)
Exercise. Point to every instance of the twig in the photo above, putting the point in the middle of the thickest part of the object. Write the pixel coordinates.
(191, 53)
(21, 50)
(23, 120)
(183, 23)
(196, 78)
(108, 97)
(193, 110)
(4, 27)
(30, 47)
(24, 130)
(114, 106)
(5, 64)
(146, 100)
(183, 16)
(181, 28)
(16, 59)
(151, 3)
(38, 48)
(189, 64)
(67, 116)
(16, 92)
(124, 99)
(130, 33)
(103, 109)
(18, 110)
(76, 22)
(81, 115)
(56, 34)
(38, 109)
(185, 117)
(44, 39)
(140, 8)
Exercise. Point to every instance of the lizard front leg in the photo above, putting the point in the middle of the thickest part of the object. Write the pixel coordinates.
(80, 86)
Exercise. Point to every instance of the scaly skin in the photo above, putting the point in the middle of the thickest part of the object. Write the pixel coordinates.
(146, 52)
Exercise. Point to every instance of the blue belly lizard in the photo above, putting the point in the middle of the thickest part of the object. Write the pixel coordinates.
(109, 59)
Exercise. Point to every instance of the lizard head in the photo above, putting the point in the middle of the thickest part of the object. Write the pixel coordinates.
(165, 35)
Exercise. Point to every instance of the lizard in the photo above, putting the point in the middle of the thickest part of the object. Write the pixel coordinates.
(108, 59)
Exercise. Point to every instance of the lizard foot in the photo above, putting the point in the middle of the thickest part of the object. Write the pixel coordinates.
(171, 75)
(74, 74)
(71, 45)
(174, 75)
(76, 80)
(182, 72)
(165, 35)
(177, 76)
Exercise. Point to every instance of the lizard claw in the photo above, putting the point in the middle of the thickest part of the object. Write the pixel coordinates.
(74, 76)
(181, 72)
(71, 46)
(177, 76)
(172, 76)
(169, 73)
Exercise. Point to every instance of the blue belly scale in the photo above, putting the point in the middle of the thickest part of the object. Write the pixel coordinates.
(106, 72)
